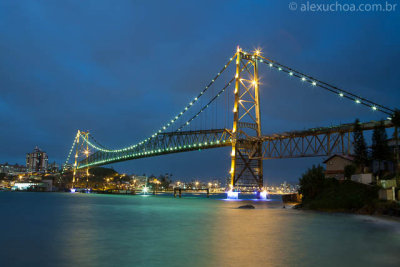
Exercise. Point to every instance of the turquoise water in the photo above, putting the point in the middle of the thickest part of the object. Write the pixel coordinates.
(61, 229)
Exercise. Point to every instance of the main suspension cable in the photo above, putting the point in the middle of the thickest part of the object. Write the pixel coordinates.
(331, 88)
(167, 125)
(205, 106)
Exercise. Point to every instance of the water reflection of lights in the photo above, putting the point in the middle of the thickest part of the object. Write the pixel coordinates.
(251, 196)
(236, 200)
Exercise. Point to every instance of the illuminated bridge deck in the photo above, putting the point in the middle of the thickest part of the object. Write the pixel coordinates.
(162, 144)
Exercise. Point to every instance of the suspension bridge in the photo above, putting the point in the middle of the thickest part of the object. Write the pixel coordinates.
(196, 126)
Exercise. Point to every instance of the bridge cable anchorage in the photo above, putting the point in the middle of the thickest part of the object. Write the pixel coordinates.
(167, 125)
(331, 88)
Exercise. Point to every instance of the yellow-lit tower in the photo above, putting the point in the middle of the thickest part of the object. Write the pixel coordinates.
(87, 152)
(76, 158)
(246, 156)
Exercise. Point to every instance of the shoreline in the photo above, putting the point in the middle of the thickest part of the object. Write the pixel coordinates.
(385, 217)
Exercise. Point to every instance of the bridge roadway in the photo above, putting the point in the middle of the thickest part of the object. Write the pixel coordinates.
(314, 142)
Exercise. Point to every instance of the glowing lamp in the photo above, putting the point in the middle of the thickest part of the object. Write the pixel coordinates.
(263, 194)
(232, 195)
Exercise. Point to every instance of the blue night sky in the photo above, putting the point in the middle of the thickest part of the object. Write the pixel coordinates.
(121, 69)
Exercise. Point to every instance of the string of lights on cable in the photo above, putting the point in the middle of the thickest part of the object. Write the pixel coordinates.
(209, 103)
(70, 152)
(333, 89)
(171, 122)
(205, 106)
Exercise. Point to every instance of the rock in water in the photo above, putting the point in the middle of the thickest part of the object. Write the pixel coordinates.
(247, 207)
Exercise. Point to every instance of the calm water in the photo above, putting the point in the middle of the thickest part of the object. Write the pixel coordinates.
(57, 229)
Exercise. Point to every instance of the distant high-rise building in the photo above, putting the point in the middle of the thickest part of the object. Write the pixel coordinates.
(36, 161)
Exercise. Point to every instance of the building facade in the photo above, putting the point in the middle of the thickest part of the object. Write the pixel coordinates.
(36, 161)
(335, 166)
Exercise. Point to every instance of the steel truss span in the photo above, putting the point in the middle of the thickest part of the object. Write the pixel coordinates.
(312, 143)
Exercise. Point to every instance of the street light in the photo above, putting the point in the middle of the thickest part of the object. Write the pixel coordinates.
(145, 189)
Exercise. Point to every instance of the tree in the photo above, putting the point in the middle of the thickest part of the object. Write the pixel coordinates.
(380, 147)
(311, 182)
(360, 147)
(102, 172)
(165, 181)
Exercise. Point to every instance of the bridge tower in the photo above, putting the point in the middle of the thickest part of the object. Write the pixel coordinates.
(78, 148)
(87, 152)
(78, 135)
(246, 157)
